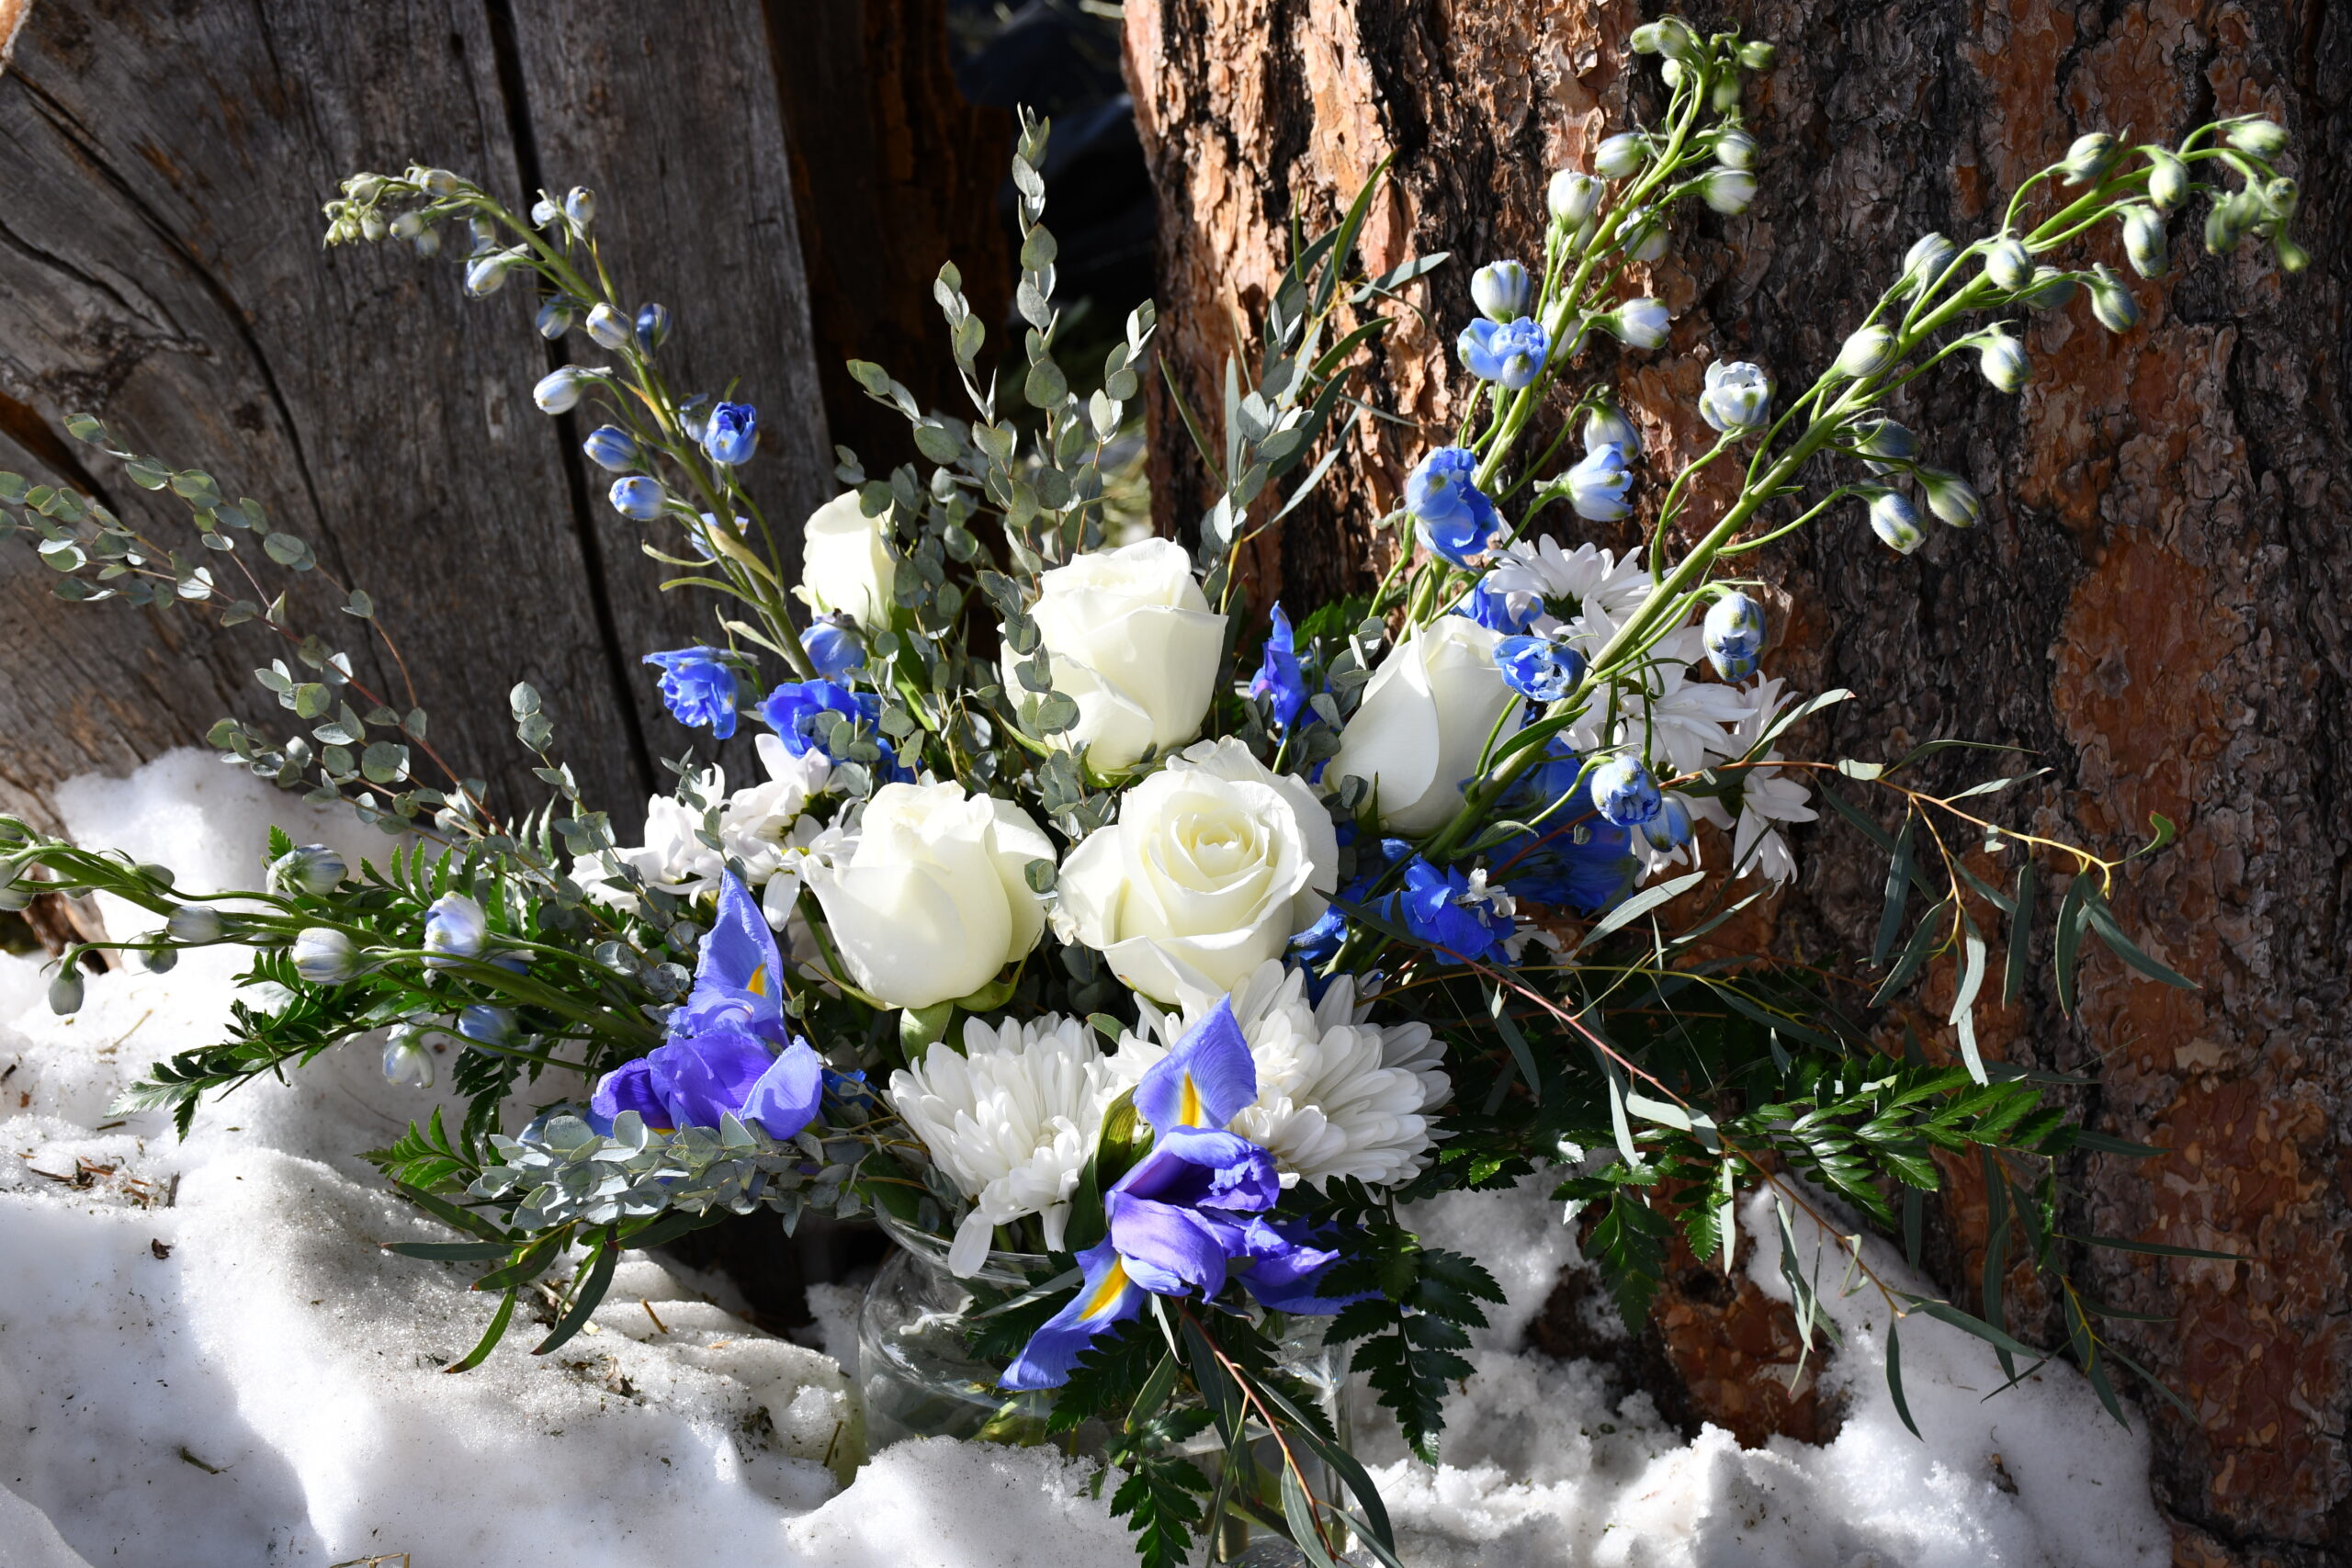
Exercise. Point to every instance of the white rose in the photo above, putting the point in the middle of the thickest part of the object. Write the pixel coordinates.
(1427, 714)
(928, 898)
(1131, 640)
(846, 567)
(1214, 864)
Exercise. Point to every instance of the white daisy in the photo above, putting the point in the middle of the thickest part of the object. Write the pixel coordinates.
(1337, 1095)
(1770, 797)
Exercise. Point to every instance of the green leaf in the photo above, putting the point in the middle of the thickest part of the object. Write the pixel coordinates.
(1894, 1376)
(2020, 937)
(586, 1293)
(491, 1336)
(1963, 1004)
(2159, 1249)
(1924, 942)
(1641, 904)
(1498, 1009)
(2067, 956)
(2103, 922)
(1898, 896)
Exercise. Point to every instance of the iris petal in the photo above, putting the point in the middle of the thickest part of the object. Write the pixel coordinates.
(1205, 1081)
(1108, 1297)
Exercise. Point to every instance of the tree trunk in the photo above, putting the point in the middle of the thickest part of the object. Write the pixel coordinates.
(2153, 603)
(159, 179)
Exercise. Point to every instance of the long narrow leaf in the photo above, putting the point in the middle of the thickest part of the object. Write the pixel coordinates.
(1498, 1009)
(1963, 1005)
(2020, 937)
(585, 1298)
(1894, 1377)
(489, 1338)
(2110, 931)
(1897, 895)
(2158, 1249)
(2067, 954)
(1640, 904)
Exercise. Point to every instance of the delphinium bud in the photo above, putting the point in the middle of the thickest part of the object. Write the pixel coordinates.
(407, 1061)
(2168, 181)
(486, 275)
(1537, 667)
(486, 1025)
(1619, 156)
(1737, 397)
(1572, 197)
(159, 956)
(1606, 422)
(2112, 302)
(732, 433)
(441, 182)
(1669, 35)
(1734, 635)
(1926, 260)
(193, 924)
(2259, 137)
(1641, 322)
(1883, 444)
(559, 390)
(1950, 497)
(1670, 828)
(611, 448)
(1502, 290)
(609, 327)
(830, 642)
(2050, 289)
(455, 927)
(2088, 159)
(1895, 520)
(1646, 236)
(65, 989)
(1869, 351)
(580, 208)
(1724, 95)
(15, 889)
(2280, 196)
(2002, 358)
(652, 327)
(639, 498)
(544, 211)
(364, 188)
(2144, 241)
(1597, 485)
(1727, 191)
(555, 317)
(311, 869)
(2009, 264)
(2231, 218)
(2293, 257)
(1623, 792)
(323, 955)
(1757, 55)
(1735, 149)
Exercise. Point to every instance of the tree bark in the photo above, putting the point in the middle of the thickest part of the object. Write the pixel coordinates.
(2153, 603)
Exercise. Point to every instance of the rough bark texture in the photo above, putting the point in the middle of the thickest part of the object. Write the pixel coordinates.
(161, 170)
(2153, 603)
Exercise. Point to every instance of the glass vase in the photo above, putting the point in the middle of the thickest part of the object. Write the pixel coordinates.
(920, 1379)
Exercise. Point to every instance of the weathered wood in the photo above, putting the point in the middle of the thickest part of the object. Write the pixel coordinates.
(2153, 603)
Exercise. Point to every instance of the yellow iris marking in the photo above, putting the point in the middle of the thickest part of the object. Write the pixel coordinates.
(1107, 1293)
(1188, 1108)
(759, 982)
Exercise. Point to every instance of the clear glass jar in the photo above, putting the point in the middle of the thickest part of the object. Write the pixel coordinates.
(920, 1379)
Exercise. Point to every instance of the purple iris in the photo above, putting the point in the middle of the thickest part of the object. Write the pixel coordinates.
(729, 1051)
(1280, 676)
(698, 687)
(1191, 1213)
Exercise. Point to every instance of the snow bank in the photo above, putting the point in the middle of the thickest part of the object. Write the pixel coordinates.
(205, 1357)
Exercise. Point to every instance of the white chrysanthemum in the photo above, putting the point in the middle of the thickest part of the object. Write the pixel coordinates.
(1590, 579)
(1012, 1119)
(1337, 1095)
(764, 825)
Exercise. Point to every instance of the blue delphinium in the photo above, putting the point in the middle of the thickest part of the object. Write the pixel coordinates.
(729, 1051)
(1737, 397)
(1494, 610)
(611, 448)
(639, 498)
(1596, 486)
(1574, 859)
(699, 688)
(1734, 635)
(732, 433)
(1502, 290)
(1539, 668)
(652, 327)
(455, 927)
(1438, 906)
(802, 714)
(1191, 1213)
(831, 645)
(1454, 516)
(1280, 677)
(1510, 354)
(1624, 792)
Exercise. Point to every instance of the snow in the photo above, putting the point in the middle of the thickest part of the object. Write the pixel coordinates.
(206, 1356)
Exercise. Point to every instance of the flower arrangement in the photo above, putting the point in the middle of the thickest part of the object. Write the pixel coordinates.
(1146, 961)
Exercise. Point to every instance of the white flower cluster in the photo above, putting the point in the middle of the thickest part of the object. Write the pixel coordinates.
(766, 826)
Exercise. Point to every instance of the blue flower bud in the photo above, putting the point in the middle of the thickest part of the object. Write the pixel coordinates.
(194, 924)
(441, 182)
(1572, 197)
(1502, 290)
(652, 327)
(581, 206)
(427, 242)
(1728, 191)
(1950, 497)
(1621, 154)
(2282, 197)
(161, 959)
(832, 647)
(1510, 355)
(1670, 828)
(609, 327)
(2259, 137)
(2050, 289)
(65, 989)
(1926, 260)
(1884, 443)
(311, 869)
(1596, 486)
(2009, 264)
(693, 415)
(2088, 159)
(2112, 302)
(1607, 423)
(559, 390)
(455, 927)
(323, 955)
(485, 234)
(555, 317)
(1735, 149)
(1734, 632)
(486, 1025)
(2143, 242)
(1869, 351)
(407, 1063)
(1737, 397)
(486, 275)
(2231, 218)
(611, 448)
(1641, 322)
(1623, 792)
(544, 213)
(2168, 181)
(2002, 358)
(731, 433)
(1896, 521)
(698, 687)
(1539, 668)
(1646, 236)
(1453, 517)
(639, 497)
